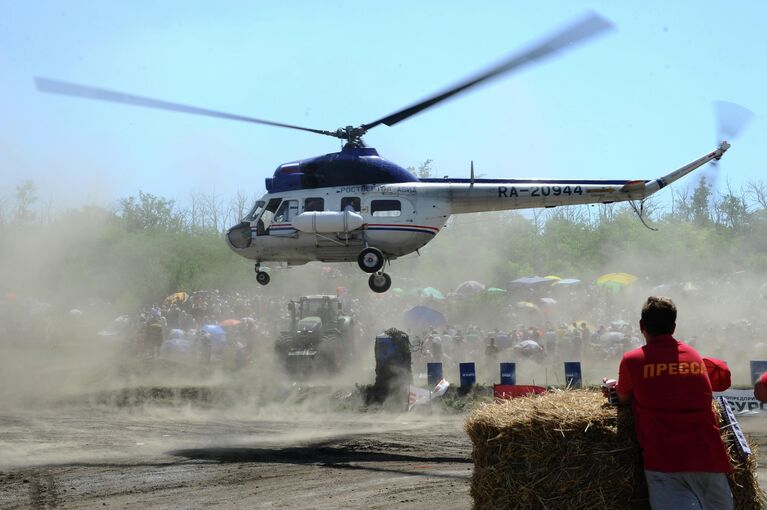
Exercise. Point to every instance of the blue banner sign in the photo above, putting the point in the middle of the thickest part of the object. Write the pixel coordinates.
(433, 373)
(758, 367)
(573, 377)
(509, 373)
(468, 374)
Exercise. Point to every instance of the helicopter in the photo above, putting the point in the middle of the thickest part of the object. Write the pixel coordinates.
(355, 205)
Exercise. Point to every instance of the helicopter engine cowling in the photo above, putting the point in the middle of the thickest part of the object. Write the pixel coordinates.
(325, 222)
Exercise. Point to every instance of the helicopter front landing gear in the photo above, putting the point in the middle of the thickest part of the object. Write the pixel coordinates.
(379, 282)
(261, 276)
(371, 260)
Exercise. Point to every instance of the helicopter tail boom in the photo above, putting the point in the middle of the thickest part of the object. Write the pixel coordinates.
(484, 195)
(660, 183)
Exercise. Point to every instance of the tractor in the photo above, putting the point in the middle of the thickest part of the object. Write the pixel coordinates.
(320, 338)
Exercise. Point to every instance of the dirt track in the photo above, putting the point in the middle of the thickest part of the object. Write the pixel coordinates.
(154, 457)
(160, 458)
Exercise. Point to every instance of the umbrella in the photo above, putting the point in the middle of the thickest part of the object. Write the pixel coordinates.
(619, 278)
(553, 277)
(528, 347)
(177, 297)
(548, 301)
(469, 288)
(495, 291)
(177, 349)
(614, 282)
(213, 329)
(529, 281)
(611, 337)
(431, 292)
(567, 281)
(528, 304)
(422, 317)
(229, 323)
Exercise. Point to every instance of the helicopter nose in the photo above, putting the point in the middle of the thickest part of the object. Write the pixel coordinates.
(239, 236)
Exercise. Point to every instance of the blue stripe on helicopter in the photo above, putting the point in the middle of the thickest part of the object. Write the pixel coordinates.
(404, 228)
(462, 180)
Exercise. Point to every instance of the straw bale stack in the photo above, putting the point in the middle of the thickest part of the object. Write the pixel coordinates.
(568, 450)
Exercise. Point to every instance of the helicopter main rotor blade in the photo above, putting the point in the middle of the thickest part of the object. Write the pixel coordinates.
(591, 25)
(86, 92)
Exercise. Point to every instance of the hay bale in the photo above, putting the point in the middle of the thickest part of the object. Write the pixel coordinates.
(568, 450)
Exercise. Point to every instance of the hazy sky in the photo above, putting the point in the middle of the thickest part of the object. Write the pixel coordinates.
(634, 103)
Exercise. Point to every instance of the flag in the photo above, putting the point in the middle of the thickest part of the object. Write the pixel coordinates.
(419, 396)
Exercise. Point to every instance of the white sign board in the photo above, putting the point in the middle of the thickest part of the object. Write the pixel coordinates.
(743, 401)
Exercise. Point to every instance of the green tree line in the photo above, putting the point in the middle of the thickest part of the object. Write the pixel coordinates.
(146, 247)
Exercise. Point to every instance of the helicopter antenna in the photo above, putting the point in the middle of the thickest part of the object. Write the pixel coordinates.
(640, 213)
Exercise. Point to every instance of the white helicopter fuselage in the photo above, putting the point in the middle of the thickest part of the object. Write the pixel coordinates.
(400, 218)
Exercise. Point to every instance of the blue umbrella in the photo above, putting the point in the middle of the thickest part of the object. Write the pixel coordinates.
(423, 317)
(529, 281)
(213, 329)
(567, 281)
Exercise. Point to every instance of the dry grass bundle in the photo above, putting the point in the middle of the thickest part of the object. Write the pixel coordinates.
(567, 450)
(746, 493)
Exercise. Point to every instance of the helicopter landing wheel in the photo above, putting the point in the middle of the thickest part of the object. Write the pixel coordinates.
(379, 282)
(370, 260)
(262, 277)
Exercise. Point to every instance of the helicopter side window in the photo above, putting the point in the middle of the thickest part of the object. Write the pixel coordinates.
(253, 214)
(314, 204)
(262, 226)
(350, 204)
(287, 211)
(390, 208)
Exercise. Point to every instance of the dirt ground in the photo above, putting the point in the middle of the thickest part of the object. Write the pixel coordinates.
(96, 456)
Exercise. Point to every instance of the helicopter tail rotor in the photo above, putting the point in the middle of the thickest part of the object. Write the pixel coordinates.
(731, 119)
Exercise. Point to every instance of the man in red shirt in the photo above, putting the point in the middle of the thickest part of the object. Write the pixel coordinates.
(760, 388)
(667, 384)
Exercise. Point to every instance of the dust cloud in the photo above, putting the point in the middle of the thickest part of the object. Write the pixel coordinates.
(71, 374)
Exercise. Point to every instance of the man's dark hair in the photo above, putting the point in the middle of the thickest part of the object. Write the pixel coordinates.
(659, 316)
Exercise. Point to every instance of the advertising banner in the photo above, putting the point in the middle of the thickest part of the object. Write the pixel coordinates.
(509, 373)
(758, 367)
(433, 373)
(468, 374)
(573, 377)
(742, 401)
(508, 391)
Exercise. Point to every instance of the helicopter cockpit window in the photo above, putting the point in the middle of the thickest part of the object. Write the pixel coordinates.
(389, 208)
(253, 214)
(287, 211)
(350, 204)
(267, 217)
(314, 204)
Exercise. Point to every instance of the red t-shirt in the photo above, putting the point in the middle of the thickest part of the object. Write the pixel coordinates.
(675, 424)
